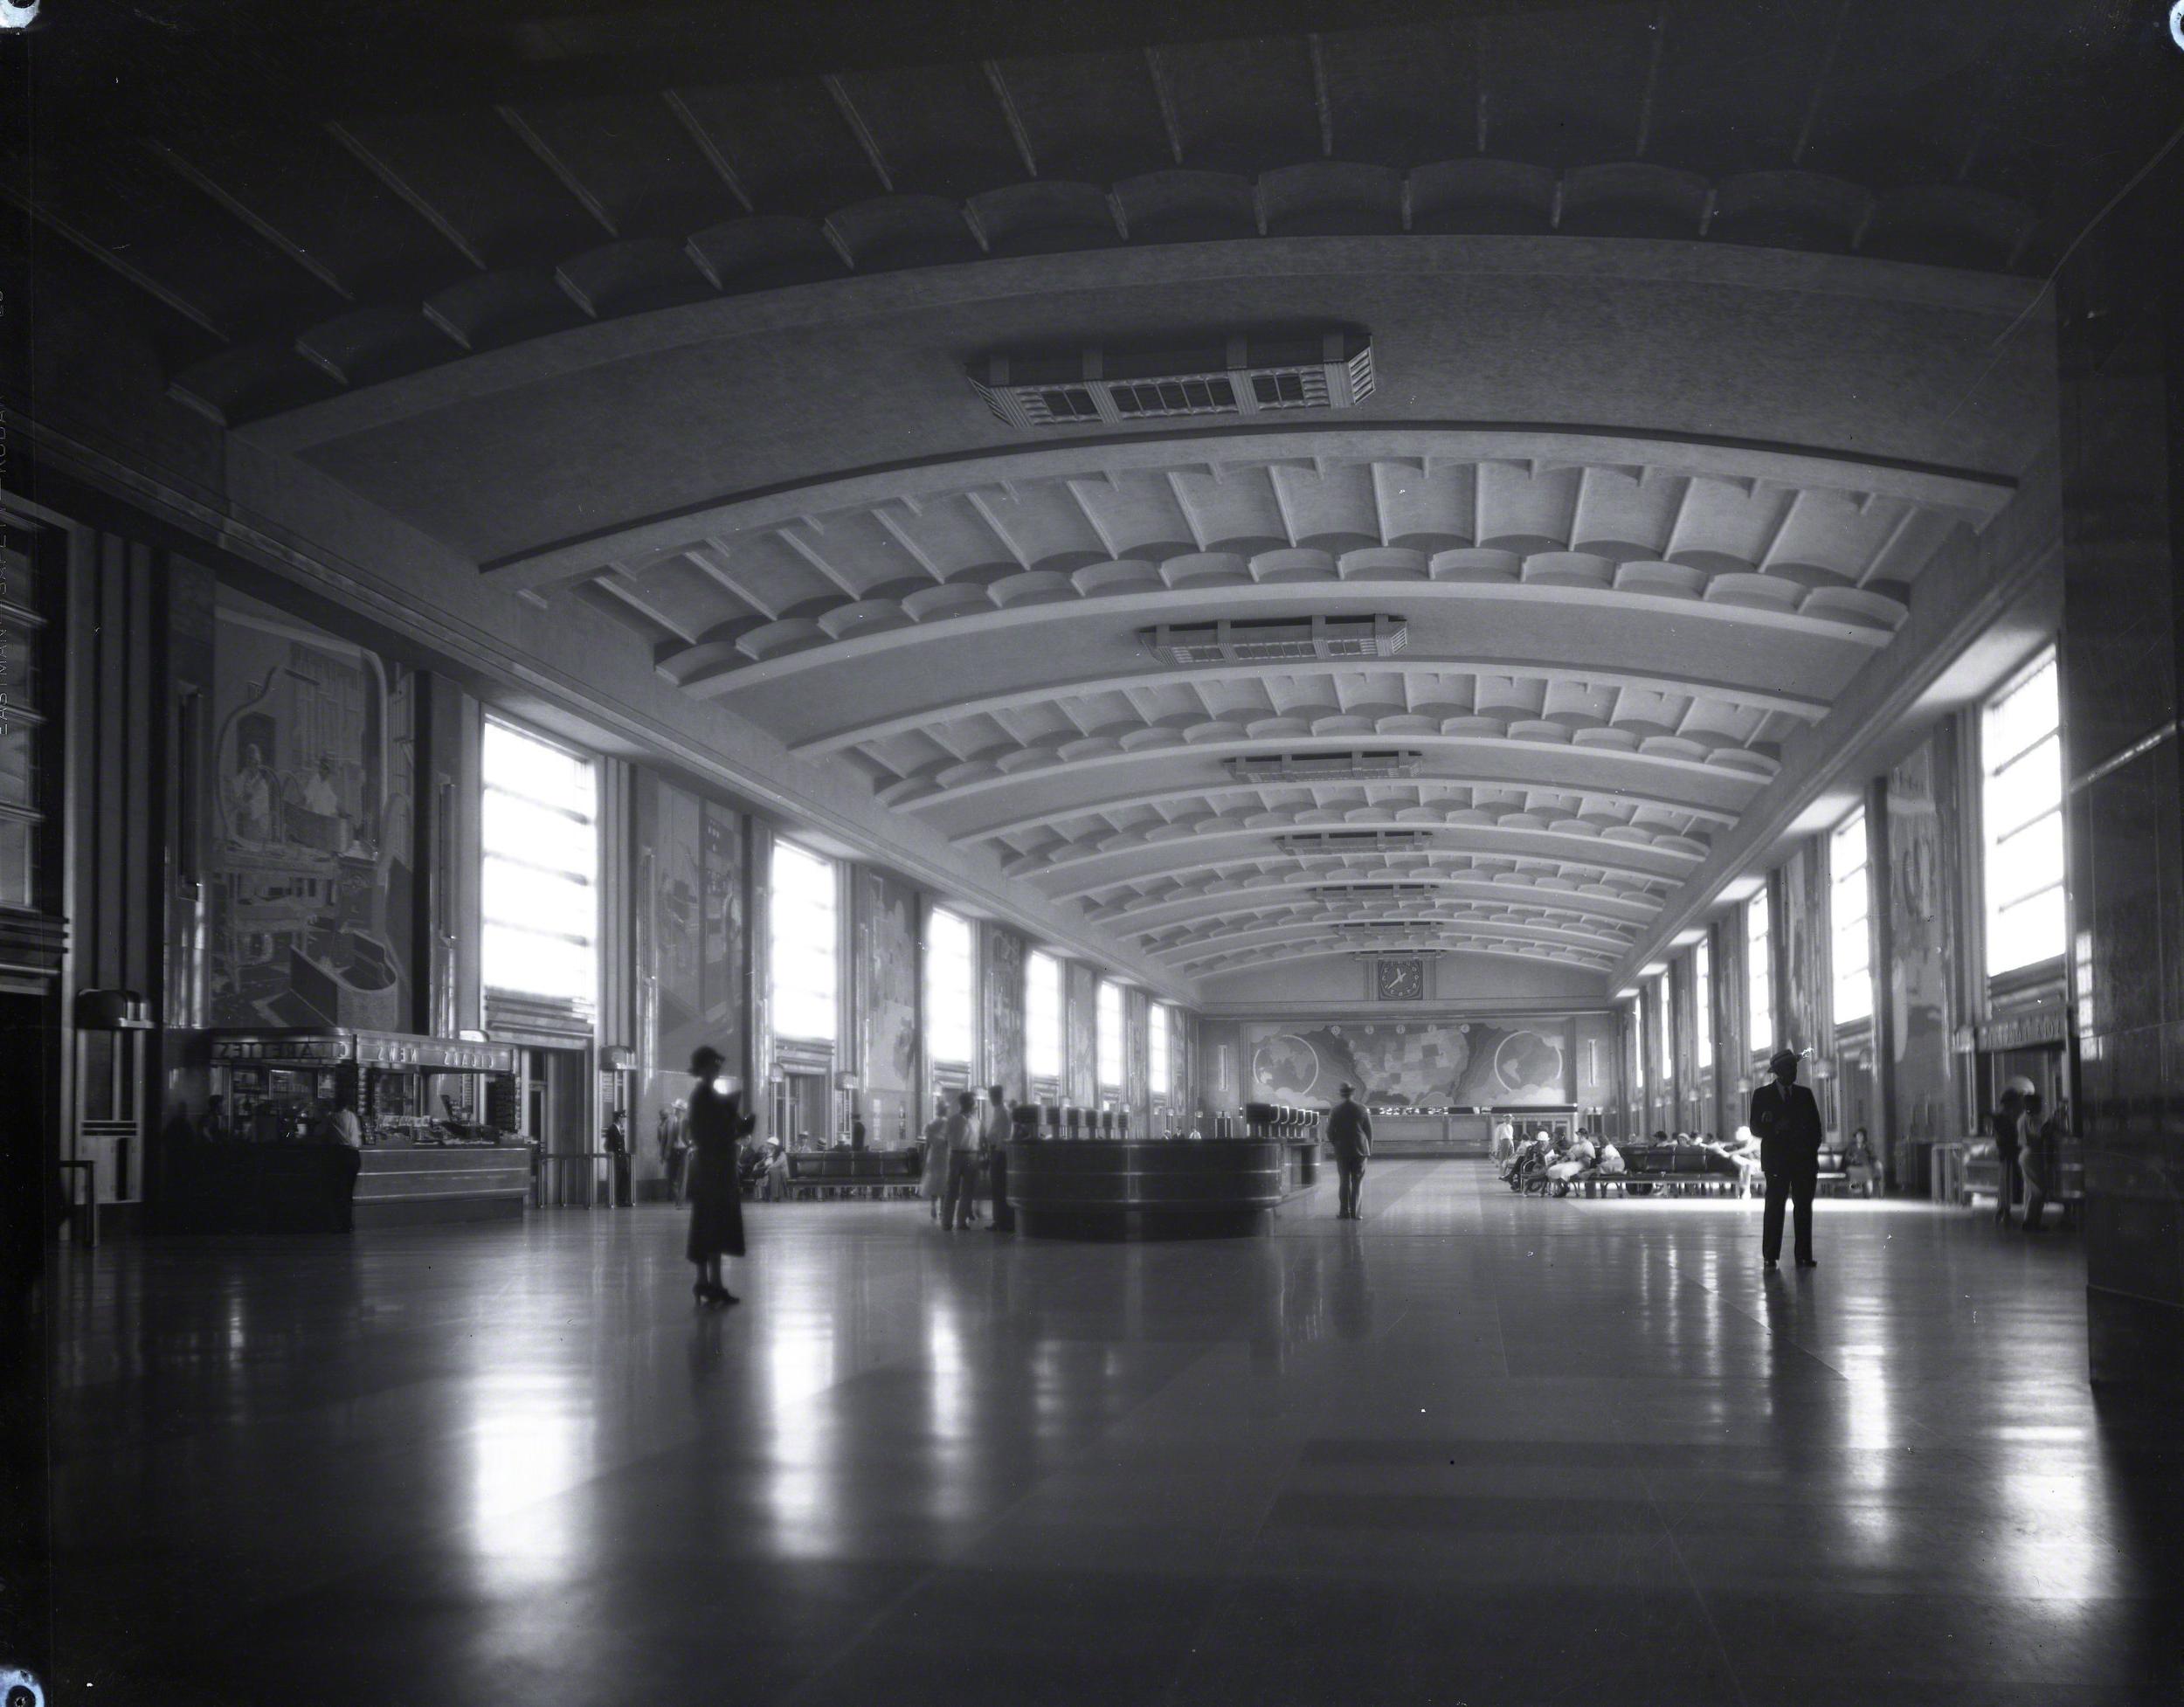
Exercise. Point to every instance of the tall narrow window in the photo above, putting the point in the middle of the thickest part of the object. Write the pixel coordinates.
(1703, 1003)
(1160, 1041)
(538, 878)
(1664, 1031)
(2021, 804)
(1042, 1016)
(1847, 909)
(1110, 1035)
(802, 917)
(948, 987)
(1637, 1087)
(1759, 974)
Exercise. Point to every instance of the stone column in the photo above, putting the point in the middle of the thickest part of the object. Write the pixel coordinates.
(2120, 343)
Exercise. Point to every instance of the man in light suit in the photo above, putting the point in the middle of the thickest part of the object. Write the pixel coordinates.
(1787, 1120)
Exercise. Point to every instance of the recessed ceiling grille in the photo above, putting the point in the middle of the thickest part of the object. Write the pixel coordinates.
(1250, 374)
(1273, 639)
(1369, 891)
(1379, 924)
(1348, 842)
(1384, 765)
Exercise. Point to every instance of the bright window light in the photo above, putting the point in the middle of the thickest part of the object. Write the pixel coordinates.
(1161, 1039)
(1110, 1035)
(2021, 804)
(1663, 1030)
(948, 991)
(1042, 1016)
(538, 878)
(1759, 974)
(1703, 1003)
(804, 925)
(1847, 909)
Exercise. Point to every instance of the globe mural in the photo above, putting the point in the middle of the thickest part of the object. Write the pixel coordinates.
(1285, 1065)
(1525, 1062)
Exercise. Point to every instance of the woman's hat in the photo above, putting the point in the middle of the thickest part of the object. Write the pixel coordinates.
(705, 1061)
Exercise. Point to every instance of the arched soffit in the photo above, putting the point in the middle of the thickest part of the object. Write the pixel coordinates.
(1327, 946)
(1065, 870)
(1571, 881)
(1603, 806)
(1182, 945)
(1303, 894)
(1669, 772)
(1648, 658)
(1829, 555)
(1227, 954)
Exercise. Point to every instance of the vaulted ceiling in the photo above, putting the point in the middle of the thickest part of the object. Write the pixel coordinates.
(1694, 328)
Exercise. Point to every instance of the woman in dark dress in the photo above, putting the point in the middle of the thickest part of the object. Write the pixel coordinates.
(718, 1127)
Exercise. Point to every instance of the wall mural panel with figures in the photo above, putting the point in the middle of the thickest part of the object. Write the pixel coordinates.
(312, 824)
(1001, 991)
(1413, 1063)
(688, 942)
(1922, 829)
(886, 972)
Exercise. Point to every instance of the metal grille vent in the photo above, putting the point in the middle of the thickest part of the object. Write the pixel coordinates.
(1251, 373)
(1274, 639)
(1387, 765)
(1347, 841)
(1369, 891)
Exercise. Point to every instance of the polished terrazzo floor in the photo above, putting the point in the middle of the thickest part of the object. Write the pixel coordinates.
(1477, 1449)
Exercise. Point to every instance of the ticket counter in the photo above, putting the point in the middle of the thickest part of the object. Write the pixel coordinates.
(437, 1115)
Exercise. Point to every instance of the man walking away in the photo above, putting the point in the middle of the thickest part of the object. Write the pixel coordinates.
(2035, 1160)
(963, 1163)
(997, 1139)
(1787, 1121)
(1350, 1136)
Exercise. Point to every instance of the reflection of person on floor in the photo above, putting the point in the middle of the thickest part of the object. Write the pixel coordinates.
(1350, 1136)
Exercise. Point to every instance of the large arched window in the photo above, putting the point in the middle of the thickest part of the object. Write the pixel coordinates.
(2022, 806)
(950, 995)
(538, 878)
(1108, 1035)
(804, 925)
(1760, 973)
(1042, 1016)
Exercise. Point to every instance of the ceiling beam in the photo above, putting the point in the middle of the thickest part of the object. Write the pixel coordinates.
(715, 152)
(1022, 137)
(418, 202)
(263, 228)
(70, 233)
(860, 129)
(564, 174)
(1165, 96)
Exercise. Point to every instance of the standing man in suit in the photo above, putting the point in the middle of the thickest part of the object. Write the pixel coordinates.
(1350, 1136)
(1787, 1121)
(997, 1126)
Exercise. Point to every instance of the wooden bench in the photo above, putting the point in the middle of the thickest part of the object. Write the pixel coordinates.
(822, 1173)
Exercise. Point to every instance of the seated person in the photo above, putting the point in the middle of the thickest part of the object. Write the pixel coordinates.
(1572, 1156)
(1861, 1166)
(1611, 1159)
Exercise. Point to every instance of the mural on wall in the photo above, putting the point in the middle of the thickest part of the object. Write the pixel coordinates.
(688, 893)
(1415, 1064)
(1001, 989)
(1081, 995)
(1919, 833)
(1596, 1040)
(312, 815)
(887, 991)
(1802, 998)
(1137, 1058)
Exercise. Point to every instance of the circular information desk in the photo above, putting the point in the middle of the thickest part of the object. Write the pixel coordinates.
(1169, 1188)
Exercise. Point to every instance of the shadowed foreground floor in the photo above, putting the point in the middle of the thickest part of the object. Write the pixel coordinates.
(1477, 1449)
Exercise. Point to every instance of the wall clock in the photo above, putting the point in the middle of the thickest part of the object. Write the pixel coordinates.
(1402, 980)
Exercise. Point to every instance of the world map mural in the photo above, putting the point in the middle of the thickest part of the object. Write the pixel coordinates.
(1407, 1064)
